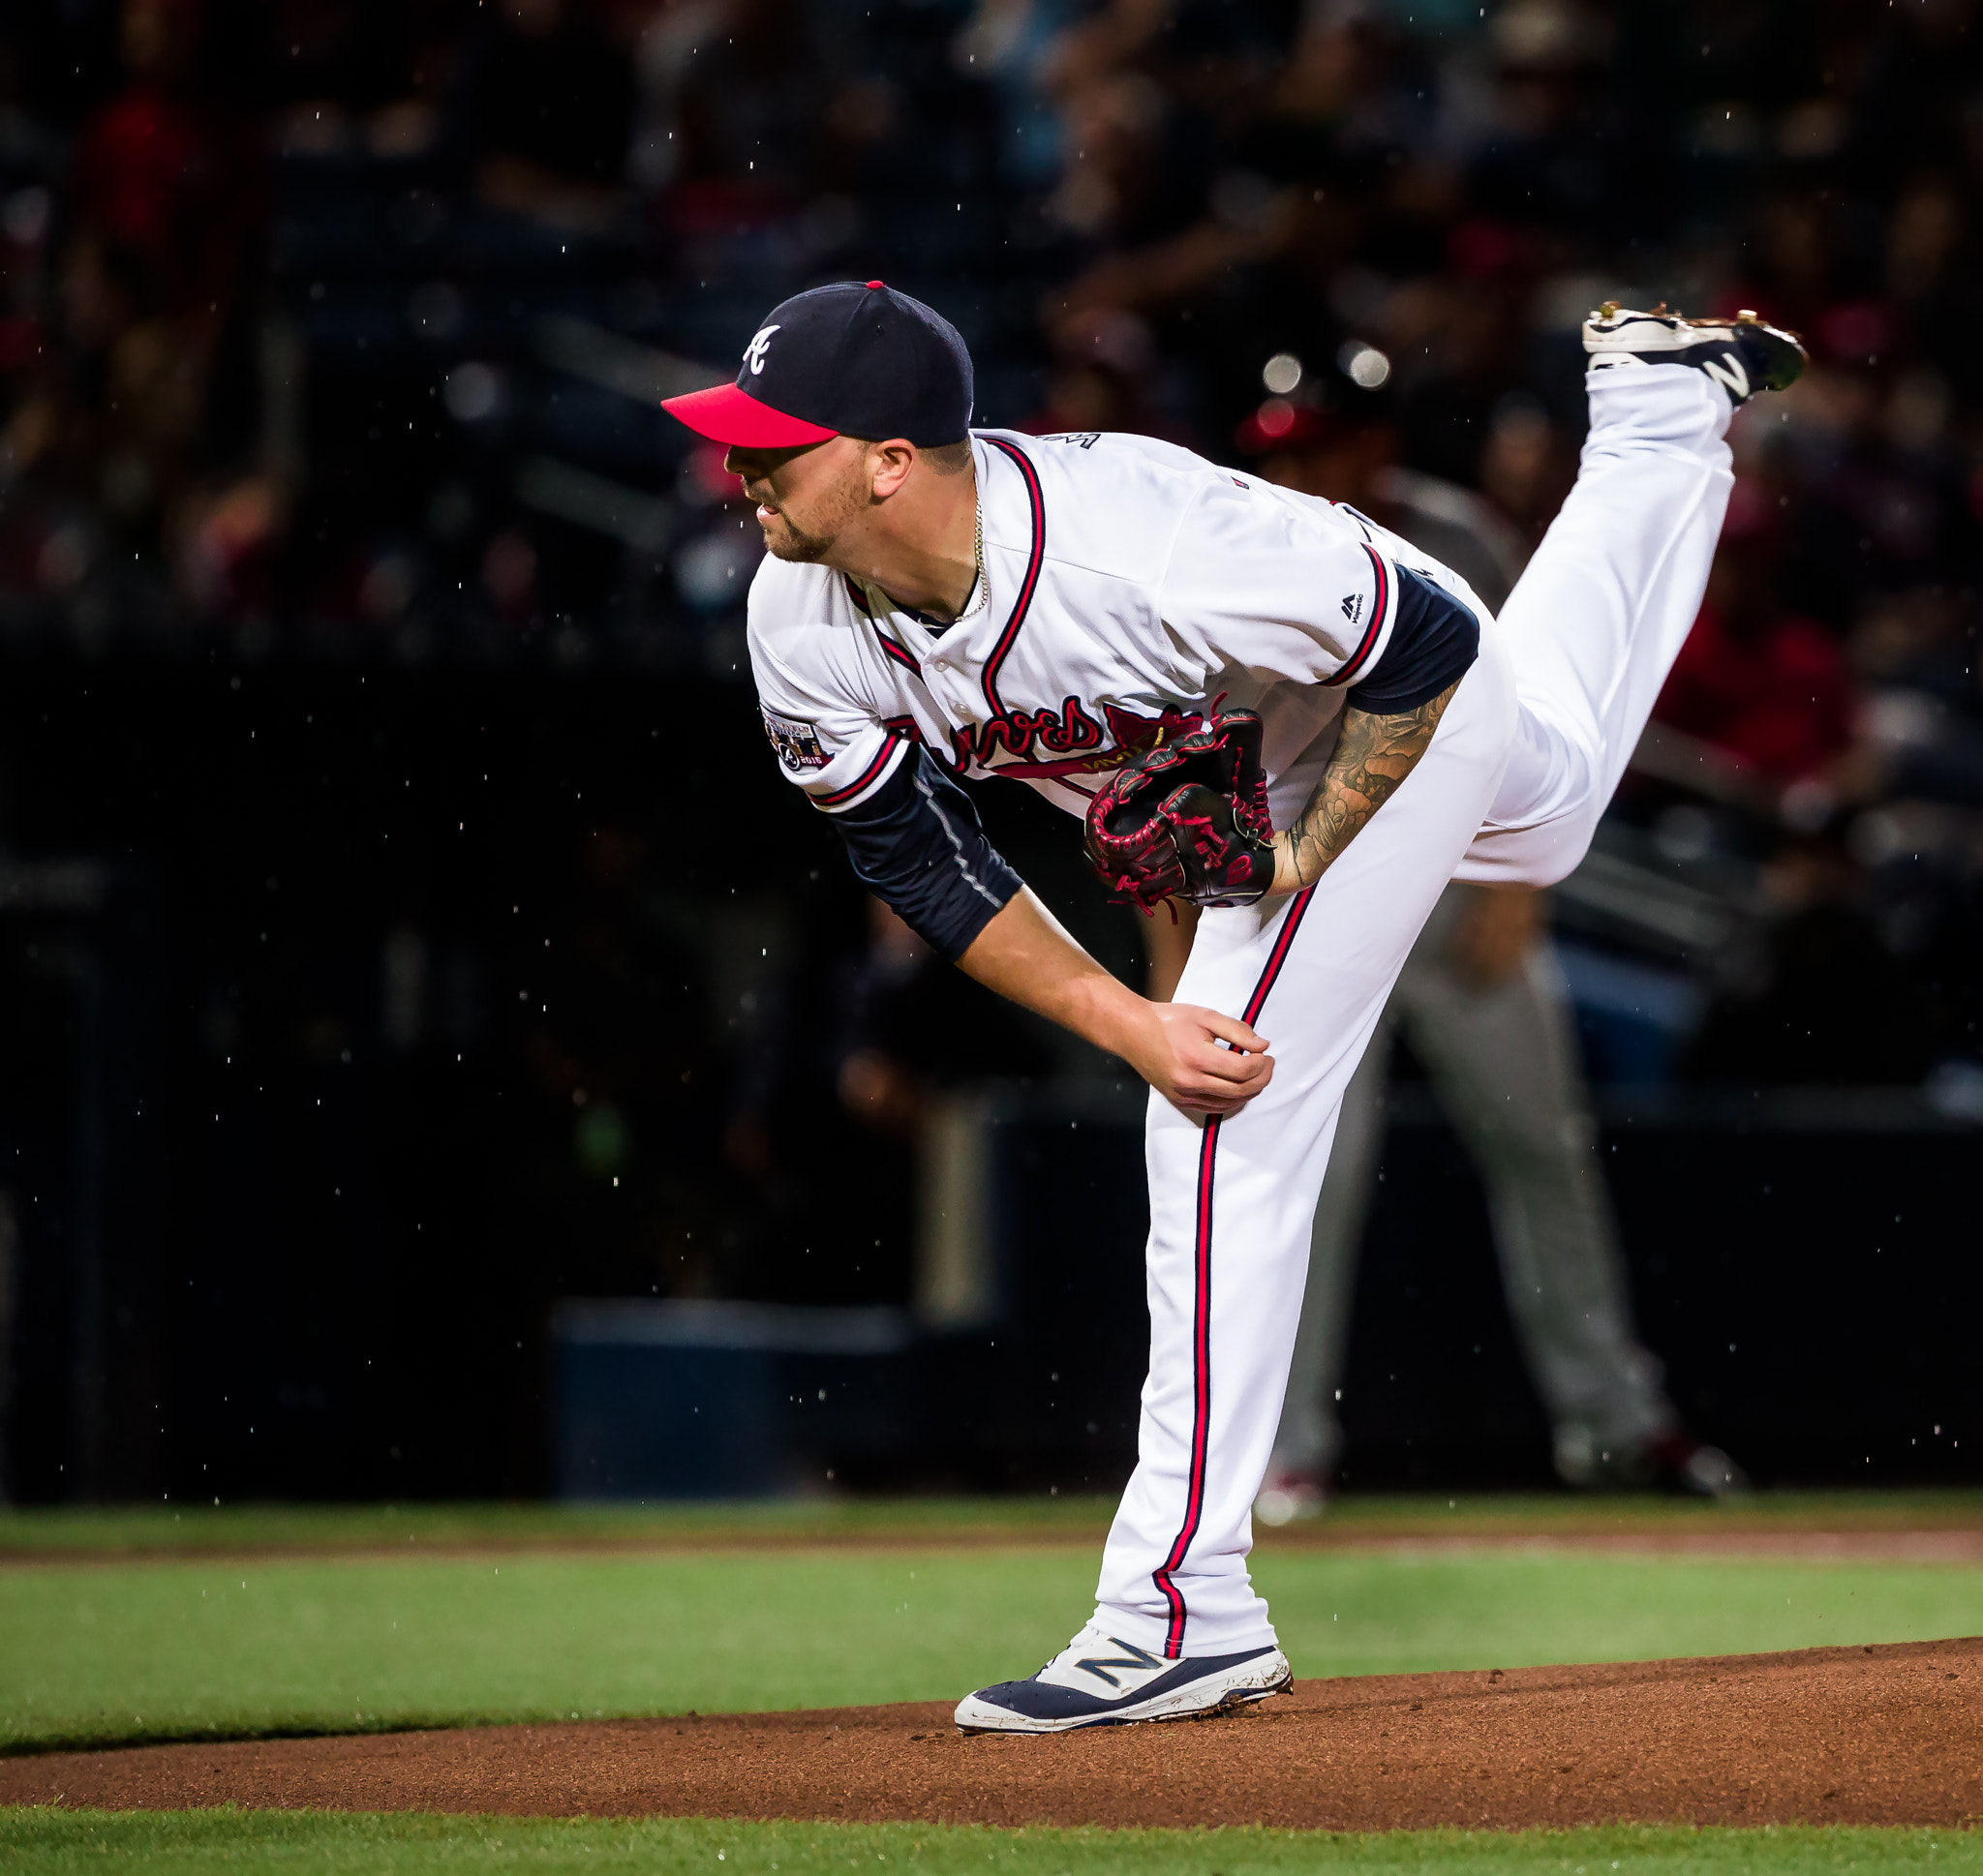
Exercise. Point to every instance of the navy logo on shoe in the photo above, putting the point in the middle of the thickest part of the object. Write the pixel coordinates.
(1729, 373)
(1099, 1668)
(1187, 1689)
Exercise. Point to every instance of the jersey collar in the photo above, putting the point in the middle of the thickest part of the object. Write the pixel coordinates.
(988, 639)
(1022, 602)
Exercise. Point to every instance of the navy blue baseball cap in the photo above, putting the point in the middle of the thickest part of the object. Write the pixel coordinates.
(856, 359)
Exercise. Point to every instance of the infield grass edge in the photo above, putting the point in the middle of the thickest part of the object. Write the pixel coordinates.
(42, 1841)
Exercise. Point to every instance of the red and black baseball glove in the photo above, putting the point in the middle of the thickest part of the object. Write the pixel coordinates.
(1188, 820)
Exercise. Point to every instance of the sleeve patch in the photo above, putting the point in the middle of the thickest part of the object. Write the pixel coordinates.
(797, 743)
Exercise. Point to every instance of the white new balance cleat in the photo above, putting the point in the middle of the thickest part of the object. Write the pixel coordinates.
(1099, 1681)
(1743, 354)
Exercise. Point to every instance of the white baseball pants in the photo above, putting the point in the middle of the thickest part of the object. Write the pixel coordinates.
(1509, 790)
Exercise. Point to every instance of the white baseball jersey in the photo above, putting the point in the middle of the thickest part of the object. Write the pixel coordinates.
(1133, 587)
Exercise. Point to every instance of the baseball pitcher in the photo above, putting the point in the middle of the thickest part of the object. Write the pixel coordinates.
(1261, 703)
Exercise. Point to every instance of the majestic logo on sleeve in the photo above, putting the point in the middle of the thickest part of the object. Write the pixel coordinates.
(753, 352)
(797, 743)
(1352, 607)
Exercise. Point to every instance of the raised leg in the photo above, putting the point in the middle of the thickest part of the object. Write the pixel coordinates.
(1594, 622)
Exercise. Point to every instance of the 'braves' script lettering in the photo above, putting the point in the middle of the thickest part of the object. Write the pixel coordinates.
(1035, 745)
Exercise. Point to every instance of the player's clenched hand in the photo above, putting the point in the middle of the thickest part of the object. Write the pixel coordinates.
(1180, 1052)
(1197, 1059)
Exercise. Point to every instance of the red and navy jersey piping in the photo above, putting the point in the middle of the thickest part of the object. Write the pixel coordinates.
(1035, 560)
(868, 777)
(897, 653)
(892, 649)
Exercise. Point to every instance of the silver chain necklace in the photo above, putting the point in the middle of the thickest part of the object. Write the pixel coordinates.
(980, 584)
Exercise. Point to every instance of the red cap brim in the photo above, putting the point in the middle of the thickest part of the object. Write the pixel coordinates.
(728, 415)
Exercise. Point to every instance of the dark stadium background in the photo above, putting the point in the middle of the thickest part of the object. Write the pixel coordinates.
(403, 926)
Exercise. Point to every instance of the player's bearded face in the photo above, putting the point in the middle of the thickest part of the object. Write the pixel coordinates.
(805, 496)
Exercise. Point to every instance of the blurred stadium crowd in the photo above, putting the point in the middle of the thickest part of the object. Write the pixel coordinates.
(334, 328)
(331, 336)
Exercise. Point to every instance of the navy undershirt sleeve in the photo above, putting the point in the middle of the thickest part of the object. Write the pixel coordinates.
(916, 845)
(1433, 641)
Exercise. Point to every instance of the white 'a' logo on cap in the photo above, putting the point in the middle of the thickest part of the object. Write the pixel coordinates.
(753, 352)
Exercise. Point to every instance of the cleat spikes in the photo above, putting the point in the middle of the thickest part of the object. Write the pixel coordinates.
(1743, 355)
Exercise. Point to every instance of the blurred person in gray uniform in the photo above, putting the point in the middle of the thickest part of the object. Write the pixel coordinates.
(1484, 1003)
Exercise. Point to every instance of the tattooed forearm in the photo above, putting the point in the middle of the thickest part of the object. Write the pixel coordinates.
(1373, 755)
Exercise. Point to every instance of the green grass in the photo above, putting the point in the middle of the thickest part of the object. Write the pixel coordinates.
(98, 1653)
(193, 1529)
(52, 1843)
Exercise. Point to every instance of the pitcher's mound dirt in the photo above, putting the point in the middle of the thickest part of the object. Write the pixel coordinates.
(1845, 1736)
